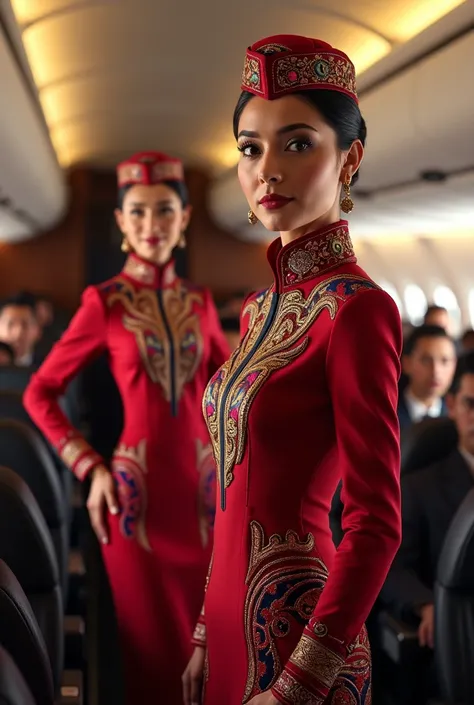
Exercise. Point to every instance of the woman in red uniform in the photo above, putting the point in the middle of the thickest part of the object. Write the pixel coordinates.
(164, 342)
(309, 397)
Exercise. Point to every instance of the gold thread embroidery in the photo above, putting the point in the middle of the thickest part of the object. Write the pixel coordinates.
(129, 468)
(319, 254)
(73, 449)
(200, 633)
(316, 659)
(284, 583)
(295, 693)
(143, 318)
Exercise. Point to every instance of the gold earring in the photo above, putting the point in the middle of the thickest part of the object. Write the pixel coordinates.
(125, 246)
(252, 218)
(347, 204)
(182, 241)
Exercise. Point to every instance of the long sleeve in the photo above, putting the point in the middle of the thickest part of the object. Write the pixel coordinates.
(403, 591)
(362, 370)
(220, 351)
(84, 340)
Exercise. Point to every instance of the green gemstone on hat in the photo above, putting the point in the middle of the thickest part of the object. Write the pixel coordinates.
(254, 78)
(321, 69)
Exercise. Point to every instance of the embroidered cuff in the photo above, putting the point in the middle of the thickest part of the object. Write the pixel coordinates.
(199, 635)
(78, 455)
(312, 668)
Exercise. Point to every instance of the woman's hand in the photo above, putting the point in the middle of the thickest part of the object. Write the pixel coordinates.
(102, 496)
(193, 677)
(266, 698)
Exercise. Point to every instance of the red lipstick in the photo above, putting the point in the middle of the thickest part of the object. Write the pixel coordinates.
(273, 201)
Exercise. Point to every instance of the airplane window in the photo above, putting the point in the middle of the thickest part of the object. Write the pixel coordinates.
(443, 296)
(415, 303)
(391, 290)
(471, 307)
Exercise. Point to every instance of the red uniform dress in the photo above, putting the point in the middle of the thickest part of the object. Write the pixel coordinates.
(164, 342)
(308, 398)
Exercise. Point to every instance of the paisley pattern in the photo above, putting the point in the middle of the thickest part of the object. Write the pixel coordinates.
(207, 490)
(129, 470)
(276, 336)
(168, 334)
(284, 584)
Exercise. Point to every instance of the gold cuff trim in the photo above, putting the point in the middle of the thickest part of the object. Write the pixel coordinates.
(293, 692)
(199, 636)
(317, 660)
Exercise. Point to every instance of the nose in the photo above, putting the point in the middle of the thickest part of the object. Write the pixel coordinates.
(270, 171)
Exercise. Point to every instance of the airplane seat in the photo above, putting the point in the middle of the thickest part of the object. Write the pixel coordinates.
(426, 442)
(21, 636)
(454, 608)
(23, 450)
(13, 688)
(27, 548)
(15, 379)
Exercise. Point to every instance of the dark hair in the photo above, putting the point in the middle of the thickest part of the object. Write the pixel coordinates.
(338, 110)
(230, 324)
(421, 332)
(465, 366)
(433, 308)
(4, 347)
(467, 334)
(179, 187)
(23, 299)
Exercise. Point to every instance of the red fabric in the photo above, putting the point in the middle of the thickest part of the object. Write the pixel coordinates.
(149, 168)
(309, 398)
(286, 63)
(161, 542)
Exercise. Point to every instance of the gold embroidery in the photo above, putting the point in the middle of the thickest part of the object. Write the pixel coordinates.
(71, 450)
(313, 70)
(284, 583)
(129, 467)
(316, 659)
(293, 692)
(141, 271)
(295, 314)
(162, 171)
(200, 633)
(161, 343)
(320, 254)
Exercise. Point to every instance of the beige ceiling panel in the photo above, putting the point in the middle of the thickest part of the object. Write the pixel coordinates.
(28, 11)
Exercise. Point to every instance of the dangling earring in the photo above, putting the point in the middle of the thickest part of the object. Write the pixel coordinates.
(125, 246)
(347, 204)
(252, 218)
(182, 241)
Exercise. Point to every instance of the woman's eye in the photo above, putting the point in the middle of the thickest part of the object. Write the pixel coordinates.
(300, 145)
(248, 149)
(137, 212)
(166, 210)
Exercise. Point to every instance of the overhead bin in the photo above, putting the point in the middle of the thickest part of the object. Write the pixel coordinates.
(33, 191)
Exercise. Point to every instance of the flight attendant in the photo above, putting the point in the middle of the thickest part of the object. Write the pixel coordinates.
(309, 398)
(164, 341)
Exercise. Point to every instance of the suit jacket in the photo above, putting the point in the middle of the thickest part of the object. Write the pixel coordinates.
(430, 499)
(404, 417)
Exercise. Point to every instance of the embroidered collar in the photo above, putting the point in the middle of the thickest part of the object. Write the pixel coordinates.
(311, 255)
(148, 273)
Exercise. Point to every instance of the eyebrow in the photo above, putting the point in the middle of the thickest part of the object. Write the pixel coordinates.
(282, 130)
(137, 204)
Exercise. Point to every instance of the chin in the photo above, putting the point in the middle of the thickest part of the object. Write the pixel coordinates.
(278, 222)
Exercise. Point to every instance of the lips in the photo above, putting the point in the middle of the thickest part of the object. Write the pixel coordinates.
(152, 240)
(273, 201)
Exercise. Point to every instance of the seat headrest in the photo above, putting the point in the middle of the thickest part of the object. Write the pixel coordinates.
(25, 542)
(456, 562)
(11, 407)
(20, 635)
(24, 451)
(427, 442)
(13, 688)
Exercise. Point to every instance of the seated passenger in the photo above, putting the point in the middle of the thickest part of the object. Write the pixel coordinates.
(437, 316)
(19, 328)
(7, 356)
(430, 499)
(429, 362)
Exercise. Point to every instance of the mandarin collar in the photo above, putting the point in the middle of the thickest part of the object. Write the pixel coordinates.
(153, 275)
(311, 255)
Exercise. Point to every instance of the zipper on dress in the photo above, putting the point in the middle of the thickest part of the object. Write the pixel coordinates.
(173, 401)
(228, 387)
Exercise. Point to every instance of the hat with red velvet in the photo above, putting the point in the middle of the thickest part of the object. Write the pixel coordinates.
(149, 168)
(287, 63)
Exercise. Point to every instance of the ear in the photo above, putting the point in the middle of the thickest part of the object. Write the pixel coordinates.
(119, 219)
(353, 160)
(186, 217)
(406, 364)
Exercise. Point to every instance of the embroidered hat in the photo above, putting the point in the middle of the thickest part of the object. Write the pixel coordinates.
(149, 168)
(286, 63)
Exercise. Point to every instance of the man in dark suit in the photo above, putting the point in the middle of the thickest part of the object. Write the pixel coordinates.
(429, 362)
(430, 499)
